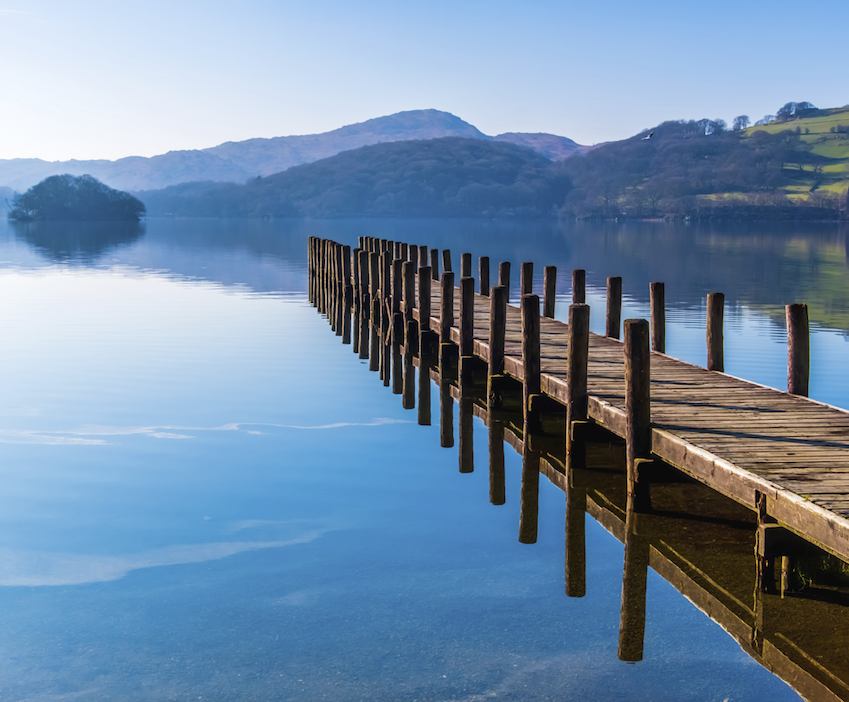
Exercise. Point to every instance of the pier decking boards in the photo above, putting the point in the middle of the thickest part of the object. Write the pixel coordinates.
(784, 455)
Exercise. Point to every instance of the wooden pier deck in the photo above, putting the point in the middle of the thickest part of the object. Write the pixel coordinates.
(740, 438)
(784, 456)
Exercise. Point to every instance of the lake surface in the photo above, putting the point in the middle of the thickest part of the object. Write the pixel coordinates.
(206, 495)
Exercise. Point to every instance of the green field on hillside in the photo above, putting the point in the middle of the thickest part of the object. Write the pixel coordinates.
(824, 166)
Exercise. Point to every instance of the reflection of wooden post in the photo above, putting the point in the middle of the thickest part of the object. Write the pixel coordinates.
(466, 448)
(798, 350)
(715, 309)
(496, 462)
(346, 314)
(434, 263)
(374, 349)
(579, 286)
(550, 288)
(483, 274)
(365, 313)
(408, 400)
(530, 359)
(578, 342)
(527, 278)
(467, 329)
(465, 265)
(446, 320)
(497, 333)
(446, 413)
(374, 274)
(614, 306)
(446, 260)
(657, 299)
(576, 544)
(397, 339)
(632, 621)
(504, 276)
(529, 507)
(637, 411)
(424, 389)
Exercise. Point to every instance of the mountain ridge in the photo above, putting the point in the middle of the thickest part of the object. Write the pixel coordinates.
(235, 162)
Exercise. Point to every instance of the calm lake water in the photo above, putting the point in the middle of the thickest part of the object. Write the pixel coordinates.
(206, 495)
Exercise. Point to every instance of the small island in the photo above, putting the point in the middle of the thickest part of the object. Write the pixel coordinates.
(75, 198)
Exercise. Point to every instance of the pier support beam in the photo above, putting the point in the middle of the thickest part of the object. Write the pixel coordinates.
(637, 411)
(497, 334)
(531, 364)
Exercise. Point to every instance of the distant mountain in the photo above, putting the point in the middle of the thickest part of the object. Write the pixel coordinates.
(445, 177)
(235, 162)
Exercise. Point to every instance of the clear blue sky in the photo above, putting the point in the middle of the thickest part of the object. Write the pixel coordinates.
(106, 79)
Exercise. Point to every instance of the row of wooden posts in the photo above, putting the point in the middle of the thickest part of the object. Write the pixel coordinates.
(385, 281)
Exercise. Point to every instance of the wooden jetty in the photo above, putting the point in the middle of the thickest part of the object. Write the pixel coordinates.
(780, 454)
(552, 389)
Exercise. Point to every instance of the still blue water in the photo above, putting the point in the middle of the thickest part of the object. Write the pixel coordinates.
(205, 495)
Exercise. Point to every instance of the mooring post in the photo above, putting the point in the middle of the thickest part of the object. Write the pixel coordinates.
(715, 309)
(530, 362)
(467, 330)
(405, 253)
(409, 275)
(798, 349)
(578, 344)
(497, 335)
(529, 496)
(414, 256)
(614, 306)
(550, 290)
(483, 273)
(504, 276)
(446, 320)
(657, 302)
(579, 286)
(425, 335)
(363, 267)
(422, 256)
(434, 263)
(637, 411)
(465, 265)
(446, 260)
(527, 278)
(497, 490)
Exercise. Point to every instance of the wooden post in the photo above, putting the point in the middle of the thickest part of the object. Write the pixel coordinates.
(425, 335)
(657, 299)
(467, 329)
(434, 263)
(405, 253)
(530, 360)
(579, 286)
(614, 306)
(550, 287)
(397, 284)
(365, 313)
(715, 309)
(637, 411)
(465, 265)
(497, 334)
(483, 273)
(578, 342)
(504, 276)
(364, 273)
(527, 278)
(409, 275)
(798, 349)
(346, 314)
(446, 260)
(397, 368)
(496, 462)
(446, 319)
(414, 256)
(374, 274)
(529, 497)
(422, 256)
(424, 389)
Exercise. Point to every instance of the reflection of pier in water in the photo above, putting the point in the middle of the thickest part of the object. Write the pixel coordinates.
(706, 545)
